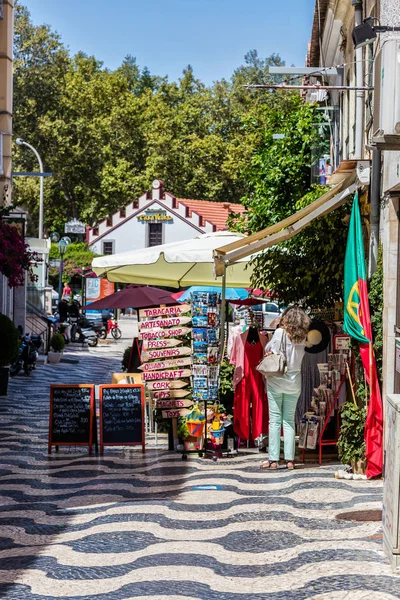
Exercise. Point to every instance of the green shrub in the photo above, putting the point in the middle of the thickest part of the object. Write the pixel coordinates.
(376, 306)
(9, 344)
(226, 386)
(183, 431)
(57, 342)
(125, 358)
(351, 444)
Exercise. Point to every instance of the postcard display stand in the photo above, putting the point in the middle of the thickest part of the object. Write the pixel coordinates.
(166, 359)
(205, 368)
(326, 399)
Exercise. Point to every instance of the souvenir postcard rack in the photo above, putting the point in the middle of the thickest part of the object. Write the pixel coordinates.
(205, 371)
(326, 399)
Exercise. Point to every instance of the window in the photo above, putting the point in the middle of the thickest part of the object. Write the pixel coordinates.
(108, 247)
(155, 234)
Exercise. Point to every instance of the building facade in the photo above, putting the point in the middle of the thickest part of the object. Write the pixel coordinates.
(367, 128)
(158, 218)
(7, 295)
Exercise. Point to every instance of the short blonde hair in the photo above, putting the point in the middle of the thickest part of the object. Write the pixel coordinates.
(296, 323)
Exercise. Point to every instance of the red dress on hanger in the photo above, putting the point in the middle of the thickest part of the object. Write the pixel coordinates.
(250, 414)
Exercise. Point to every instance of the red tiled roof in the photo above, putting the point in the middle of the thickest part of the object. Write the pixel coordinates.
(214, 212)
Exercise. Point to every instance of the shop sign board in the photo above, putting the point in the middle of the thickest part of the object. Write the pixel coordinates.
(165, 394)
(97, 288)
(342, 342)
(163, 333)
(74, 226)
(166, 322)
(121, 415)
(174, 403)
(166, 385)
(164, 311)
(166, 364)
(72, 416)
(152, 344)
(155, 215)
(165, 353)
(177, 374)
(175, 413)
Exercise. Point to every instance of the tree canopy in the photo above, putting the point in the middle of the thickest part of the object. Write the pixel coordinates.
(308, 268)
(106, 135)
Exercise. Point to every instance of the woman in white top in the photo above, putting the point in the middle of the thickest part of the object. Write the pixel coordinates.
(283, 392)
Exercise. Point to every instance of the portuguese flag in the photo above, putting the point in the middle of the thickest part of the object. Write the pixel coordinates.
(357, 323)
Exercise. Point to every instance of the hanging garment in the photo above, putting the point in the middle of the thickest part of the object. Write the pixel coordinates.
(250, 406)
(309, 380)
(238, 352)
(234, 332)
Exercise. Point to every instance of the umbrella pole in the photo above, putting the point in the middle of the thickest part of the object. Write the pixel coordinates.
(223, 311)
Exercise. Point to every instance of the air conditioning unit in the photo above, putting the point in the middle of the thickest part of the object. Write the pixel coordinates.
(387, 88)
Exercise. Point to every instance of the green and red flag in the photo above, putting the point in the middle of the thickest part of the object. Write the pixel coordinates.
(357, 323)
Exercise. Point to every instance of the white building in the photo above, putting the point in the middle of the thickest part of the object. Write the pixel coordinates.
(158, 218)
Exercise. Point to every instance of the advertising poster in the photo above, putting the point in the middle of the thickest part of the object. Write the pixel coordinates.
(98, 288)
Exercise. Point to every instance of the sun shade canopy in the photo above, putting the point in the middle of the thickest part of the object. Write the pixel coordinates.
(289, 227)
(178, 264)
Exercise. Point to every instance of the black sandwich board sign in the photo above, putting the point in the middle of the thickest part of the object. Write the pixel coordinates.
(72, 416)
(121, 415)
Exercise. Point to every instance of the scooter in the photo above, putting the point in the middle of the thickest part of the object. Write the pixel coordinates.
(28, 355)
(111, 327)
(81, 332)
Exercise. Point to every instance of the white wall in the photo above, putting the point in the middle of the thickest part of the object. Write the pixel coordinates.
(133, 234)
(390, 15)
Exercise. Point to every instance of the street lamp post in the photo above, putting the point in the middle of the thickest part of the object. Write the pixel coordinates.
(22, 142)
(62, 246)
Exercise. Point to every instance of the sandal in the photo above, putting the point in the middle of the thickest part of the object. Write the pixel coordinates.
(290, 465)
(268, 464)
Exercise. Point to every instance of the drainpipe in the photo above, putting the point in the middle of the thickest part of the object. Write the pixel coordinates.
(359, 83)
(375, 209)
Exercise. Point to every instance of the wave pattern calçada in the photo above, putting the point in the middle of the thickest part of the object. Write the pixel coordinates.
(126, 526)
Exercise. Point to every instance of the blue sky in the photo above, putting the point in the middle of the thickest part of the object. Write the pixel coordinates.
(167, 35)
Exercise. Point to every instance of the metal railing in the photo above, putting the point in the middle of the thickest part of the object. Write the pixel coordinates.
(37, 322)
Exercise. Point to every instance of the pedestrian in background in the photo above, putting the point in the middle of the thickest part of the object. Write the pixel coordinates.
(67, 290)
(284, 391)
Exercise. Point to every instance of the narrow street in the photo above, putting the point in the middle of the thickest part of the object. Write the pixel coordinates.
(126, 526)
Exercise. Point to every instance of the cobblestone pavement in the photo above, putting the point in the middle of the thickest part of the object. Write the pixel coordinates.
(126, 526)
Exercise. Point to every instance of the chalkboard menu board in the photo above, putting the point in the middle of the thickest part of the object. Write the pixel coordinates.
(71, 415)
(121, 415)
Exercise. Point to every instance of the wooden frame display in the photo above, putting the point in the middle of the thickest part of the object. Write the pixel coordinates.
(114, 434)
(67, 421)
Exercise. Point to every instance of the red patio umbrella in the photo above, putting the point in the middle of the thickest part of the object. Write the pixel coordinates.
(248, 301)
(177, 295)
(133, 296)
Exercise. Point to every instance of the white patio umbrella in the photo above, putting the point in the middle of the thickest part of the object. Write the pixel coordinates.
(178, 264)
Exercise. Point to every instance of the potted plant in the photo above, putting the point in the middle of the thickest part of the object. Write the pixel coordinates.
(189, 442)
(351, 443)
(57, 344)
(10, 338)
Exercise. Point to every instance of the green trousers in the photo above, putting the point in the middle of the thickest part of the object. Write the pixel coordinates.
(282, 409)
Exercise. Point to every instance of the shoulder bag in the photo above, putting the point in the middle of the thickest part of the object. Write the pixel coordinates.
(274, 365)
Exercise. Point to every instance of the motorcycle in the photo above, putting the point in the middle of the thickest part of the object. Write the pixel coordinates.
(111, 327)
(28, 355)
(82, 331)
